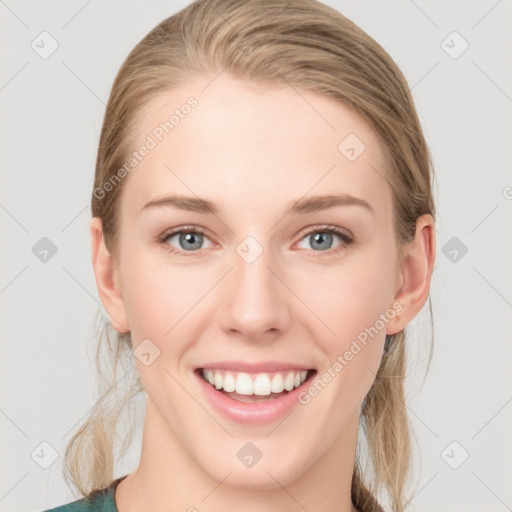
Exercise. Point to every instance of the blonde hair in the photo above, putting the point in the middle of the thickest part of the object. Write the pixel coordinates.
(312, 47)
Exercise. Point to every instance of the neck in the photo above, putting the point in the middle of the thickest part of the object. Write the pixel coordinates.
(168, 478)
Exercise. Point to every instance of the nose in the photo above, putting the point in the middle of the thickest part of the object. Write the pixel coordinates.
(254, 302)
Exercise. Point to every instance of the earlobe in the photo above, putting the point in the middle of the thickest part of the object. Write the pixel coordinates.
(416, 271)
(107, 279)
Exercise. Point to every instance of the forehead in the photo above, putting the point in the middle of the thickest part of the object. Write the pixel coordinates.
(232, 140)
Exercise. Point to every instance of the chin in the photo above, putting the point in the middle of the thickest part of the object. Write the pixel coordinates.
(258, 480)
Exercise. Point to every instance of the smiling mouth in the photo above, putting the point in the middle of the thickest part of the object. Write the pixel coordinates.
(258, 387)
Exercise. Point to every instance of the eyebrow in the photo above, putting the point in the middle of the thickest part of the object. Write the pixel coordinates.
(312, 204)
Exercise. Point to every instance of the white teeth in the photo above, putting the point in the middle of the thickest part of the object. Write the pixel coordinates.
(289, 382)
(243, 383)
(218, 381)
(277, 383)
(262, 384)
(229, 382)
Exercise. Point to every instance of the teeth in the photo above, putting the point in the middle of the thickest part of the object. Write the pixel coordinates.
(243, 384)
(260, 384)
(277, 383)
(229, 382)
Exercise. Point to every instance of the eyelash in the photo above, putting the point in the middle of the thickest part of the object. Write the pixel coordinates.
(344, 236)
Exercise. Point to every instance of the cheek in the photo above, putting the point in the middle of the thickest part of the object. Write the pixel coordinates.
(354, 301)
(351, 297)
(157, 295)
(161, 304)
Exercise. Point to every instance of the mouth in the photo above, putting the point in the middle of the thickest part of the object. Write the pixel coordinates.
(256, 387)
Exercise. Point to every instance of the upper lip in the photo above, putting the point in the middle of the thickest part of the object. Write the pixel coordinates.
(254, 367)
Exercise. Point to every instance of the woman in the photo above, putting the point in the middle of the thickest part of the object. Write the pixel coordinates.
(262, 234)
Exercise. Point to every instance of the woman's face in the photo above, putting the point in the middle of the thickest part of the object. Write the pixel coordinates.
(257, 282)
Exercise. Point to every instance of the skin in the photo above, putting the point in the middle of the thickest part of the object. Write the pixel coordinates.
(254, 151)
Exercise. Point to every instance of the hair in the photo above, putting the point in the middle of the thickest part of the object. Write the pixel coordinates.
(311, 47)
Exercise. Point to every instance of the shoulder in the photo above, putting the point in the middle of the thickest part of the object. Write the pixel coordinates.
(99, 501)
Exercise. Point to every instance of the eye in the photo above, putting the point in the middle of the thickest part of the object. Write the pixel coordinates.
(321, 239)
(184, 241)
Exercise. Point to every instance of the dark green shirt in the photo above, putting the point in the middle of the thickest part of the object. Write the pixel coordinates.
(103, 501)
(99, 501)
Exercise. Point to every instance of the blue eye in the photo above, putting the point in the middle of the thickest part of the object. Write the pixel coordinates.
(190, 240)
(321, 240)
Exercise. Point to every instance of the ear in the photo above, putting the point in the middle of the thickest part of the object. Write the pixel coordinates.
(416, 269)
(107, 278)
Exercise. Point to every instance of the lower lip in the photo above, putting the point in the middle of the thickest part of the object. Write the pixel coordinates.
(256, 413)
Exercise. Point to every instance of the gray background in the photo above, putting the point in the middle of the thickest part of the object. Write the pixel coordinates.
(52, 110)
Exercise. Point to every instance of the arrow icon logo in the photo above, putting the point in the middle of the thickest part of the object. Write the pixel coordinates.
(454, 455)
(249, 455)
(351, 147)
(454, 249)
(44, 250)
(249, 249)
(44, 455)
(454, 45)
(146, 352)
